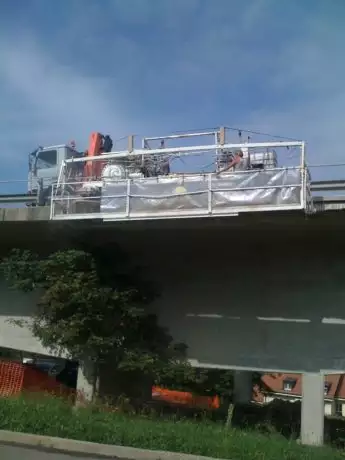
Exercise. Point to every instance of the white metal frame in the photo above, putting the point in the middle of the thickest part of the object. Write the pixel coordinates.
(189, 150)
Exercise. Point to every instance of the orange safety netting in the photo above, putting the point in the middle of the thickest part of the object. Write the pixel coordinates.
(16, 378)
(11, 378)
(185, 398)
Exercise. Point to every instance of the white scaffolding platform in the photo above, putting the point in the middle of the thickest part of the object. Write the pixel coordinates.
(122, 193)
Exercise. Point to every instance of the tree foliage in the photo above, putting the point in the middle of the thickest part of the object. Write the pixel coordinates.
(85, 308)
(92, 304)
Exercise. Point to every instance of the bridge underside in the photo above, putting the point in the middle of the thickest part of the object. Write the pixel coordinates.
(31, 227)
(248, 292)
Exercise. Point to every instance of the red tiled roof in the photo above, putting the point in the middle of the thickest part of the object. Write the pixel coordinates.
(274, 383)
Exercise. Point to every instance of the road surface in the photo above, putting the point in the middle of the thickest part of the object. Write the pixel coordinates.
(17, 453)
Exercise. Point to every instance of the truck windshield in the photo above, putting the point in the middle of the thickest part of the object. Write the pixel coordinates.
(46, 159)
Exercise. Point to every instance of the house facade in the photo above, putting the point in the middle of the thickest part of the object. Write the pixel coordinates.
(288, 387)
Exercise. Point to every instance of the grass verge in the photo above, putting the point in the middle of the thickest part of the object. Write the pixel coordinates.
(52, 417)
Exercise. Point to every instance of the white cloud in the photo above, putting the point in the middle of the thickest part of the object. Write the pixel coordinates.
(59, 103)
(311, 68)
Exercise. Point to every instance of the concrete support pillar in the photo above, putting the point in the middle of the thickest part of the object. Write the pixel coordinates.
(85, 386)
(313, 409)
(243, 387)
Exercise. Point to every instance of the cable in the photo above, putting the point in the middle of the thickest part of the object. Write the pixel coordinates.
(239, 130)
(261, 134)
(121, 138)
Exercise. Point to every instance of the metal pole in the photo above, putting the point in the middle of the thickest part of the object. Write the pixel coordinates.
(209, 182)
(222, 135)
(51, 214)
(303, 190)
(63, 165)
(217, 141)
(128, 197)
(303, 163)
(131, 143)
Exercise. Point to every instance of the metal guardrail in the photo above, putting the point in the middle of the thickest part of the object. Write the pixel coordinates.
(15, 191)
(327, 185)
(18, 198)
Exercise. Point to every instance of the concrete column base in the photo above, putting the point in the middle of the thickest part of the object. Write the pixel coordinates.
(85, 386)
(313, 409)
(243, 387)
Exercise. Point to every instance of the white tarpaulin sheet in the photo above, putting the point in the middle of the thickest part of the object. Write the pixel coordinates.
(280, 187)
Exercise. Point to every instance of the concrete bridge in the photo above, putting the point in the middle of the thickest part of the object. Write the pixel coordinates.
(261, 291)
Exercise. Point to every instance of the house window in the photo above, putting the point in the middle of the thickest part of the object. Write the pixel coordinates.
(339, 409)
(289, 384)
(327, 387)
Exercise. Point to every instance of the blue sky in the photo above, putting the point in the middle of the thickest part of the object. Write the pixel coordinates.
(150, 67)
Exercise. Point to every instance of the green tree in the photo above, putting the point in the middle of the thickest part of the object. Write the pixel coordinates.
(92, 306)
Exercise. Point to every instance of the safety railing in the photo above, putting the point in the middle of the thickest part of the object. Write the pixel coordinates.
(183, 196)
